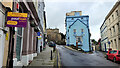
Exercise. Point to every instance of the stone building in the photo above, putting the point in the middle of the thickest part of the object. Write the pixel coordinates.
(112, 22)
(53, 35)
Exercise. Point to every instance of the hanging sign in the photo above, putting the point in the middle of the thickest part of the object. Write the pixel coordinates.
(16, 19)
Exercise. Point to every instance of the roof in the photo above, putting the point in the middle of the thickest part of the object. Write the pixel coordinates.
(80, 21)
(111, 11)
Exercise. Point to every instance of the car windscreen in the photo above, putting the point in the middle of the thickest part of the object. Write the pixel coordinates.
(114, 52)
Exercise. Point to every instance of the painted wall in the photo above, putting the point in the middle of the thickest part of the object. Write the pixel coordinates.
(78, 26)
(77, 22)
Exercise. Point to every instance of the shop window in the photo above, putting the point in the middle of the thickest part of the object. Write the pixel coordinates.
(18, 43)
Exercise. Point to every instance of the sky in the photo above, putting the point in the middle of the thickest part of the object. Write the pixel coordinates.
(96, 9)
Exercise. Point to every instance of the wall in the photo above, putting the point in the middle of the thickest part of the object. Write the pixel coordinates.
(113, 24)
(78, 26)
(2, 34)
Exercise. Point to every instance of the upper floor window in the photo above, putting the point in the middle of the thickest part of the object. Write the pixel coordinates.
(72, 18)
(109, 20)
(113, 17)
(114, 28)
(81, 17)
(74, 31)
(118, 25)
(117, 12)
(110, 32)
(82, 31)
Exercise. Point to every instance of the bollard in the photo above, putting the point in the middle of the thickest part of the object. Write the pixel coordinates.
(51, 55)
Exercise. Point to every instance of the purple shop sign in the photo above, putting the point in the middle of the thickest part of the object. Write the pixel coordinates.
(16, 19)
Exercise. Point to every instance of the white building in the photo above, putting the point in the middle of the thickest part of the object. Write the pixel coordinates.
(104, 37)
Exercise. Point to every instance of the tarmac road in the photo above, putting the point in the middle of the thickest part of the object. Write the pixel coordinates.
(75, 58)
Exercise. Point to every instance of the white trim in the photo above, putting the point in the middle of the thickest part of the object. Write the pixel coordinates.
(30, 57)
(14, 61)
(25, 60)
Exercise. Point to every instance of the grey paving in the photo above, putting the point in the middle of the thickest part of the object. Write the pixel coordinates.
(43, 59)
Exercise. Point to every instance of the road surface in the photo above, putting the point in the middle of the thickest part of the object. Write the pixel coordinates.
(73, 58)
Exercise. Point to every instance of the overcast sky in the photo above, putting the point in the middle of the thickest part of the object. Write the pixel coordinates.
(96, 9)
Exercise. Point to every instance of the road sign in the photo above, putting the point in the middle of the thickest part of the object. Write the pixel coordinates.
(15, 19)
(109, 42)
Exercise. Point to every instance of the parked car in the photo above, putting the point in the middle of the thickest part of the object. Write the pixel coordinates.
(113, 55)
(51, 44)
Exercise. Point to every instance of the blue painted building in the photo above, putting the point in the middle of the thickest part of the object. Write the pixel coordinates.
(77, 30)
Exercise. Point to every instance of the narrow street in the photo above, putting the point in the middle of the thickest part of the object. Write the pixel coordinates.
(73, 58)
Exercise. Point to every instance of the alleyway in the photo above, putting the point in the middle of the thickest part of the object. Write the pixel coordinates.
(73, 58)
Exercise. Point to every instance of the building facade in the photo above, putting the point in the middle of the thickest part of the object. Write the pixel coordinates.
(53, 35)
(104, 37)
(3, 38)
(112, 21)
(77, 30)
(19, 45)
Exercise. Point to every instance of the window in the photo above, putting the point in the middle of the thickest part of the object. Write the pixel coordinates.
(72, 18)
(117, 12)
(81, 17)
(115, 43)
(18, 42)
(110, 32)
(74, 31)
(113, 17)
(118, 25)
(114, 52)
(119, 52)
(111, 52)
(82, 31)
(79, 39)
(114, 28)
(109, 20)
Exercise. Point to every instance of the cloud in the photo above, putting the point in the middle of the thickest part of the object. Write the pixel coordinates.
(97, 11)
(80, 1)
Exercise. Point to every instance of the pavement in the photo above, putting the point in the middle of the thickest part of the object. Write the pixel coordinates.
(43, 58)
(75, 58)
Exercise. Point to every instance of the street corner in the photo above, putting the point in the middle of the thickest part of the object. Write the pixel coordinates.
(79, 50)
(68, 47)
